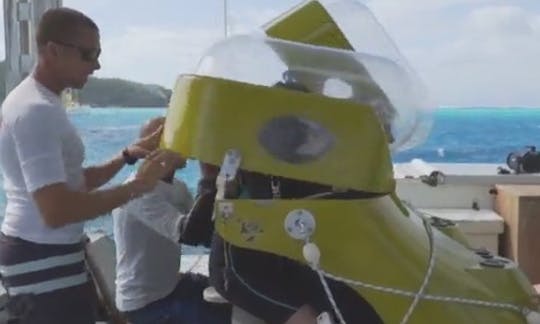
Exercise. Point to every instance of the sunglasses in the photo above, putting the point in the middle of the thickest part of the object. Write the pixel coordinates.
(87, 54)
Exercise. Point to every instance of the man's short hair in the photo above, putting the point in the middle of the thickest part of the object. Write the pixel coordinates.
(62, 24)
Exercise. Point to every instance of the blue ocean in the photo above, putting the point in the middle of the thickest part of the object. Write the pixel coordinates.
(484, 135)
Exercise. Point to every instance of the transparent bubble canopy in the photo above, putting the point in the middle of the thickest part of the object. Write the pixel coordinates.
(373, 74)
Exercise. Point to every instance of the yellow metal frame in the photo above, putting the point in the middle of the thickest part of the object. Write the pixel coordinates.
(376, 241)
(208, 116)
(308, 23)
(370, 240)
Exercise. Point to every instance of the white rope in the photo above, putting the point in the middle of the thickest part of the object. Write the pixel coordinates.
(417, 296)
(330, 296)
(429, 272)
(405, 293)
(254, 291)
(420, 294)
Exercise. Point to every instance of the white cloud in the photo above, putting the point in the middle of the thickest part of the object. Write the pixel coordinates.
(469, 53)
(494, 60)
(154, 55)
(157, 55)
(249, 19)
(503, 21)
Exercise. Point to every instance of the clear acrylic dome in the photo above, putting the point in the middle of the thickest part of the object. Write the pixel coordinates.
(375, 73)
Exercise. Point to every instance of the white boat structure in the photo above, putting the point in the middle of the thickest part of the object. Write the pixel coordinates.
(498, 212)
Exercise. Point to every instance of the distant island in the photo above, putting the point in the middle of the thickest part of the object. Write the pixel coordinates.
(113, 92)
(101, 92)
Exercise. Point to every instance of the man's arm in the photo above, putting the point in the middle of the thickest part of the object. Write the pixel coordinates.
(96, 176)
(198, 227)
(60, 206)
(38, 146)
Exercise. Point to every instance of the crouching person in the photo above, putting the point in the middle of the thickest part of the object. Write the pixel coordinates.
(147, 232)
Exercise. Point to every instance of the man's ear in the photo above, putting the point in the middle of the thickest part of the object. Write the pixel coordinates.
(51, 49)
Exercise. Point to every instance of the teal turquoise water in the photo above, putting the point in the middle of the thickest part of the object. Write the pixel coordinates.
(483, 135)
(459, 135)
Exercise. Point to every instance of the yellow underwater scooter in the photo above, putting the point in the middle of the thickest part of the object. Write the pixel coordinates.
(363, 101)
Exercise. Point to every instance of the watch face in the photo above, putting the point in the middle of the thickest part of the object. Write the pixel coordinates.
(128, 158)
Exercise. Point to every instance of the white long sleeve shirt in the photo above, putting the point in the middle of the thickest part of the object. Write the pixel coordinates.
(146, 231)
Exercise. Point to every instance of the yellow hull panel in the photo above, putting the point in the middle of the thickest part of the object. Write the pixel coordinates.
(208, 116)
(373, 242)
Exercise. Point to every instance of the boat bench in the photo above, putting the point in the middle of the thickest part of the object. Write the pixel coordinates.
(101, 261)
(481, 227)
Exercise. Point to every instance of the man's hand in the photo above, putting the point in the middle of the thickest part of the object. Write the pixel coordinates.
(159, 164)
(168, 157)
(145, 145)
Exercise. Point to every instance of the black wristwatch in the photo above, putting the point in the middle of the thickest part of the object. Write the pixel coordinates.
(128, 158)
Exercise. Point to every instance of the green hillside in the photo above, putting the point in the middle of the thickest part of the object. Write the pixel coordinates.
(122, 93)
(102, 92)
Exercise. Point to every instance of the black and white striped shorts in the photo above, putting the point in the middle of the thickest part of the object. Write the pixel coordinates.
(50, 281)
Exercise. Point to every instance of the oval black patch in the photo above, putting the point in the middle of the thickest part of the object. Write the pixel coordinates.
(295, 140)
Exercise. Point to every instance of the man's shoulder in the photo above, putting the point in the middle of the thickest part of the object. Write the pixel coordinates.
(180, 183)
(19, 105)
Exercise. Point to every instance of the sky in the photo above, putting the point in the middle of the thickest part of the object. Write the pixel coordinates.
(467, 52)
